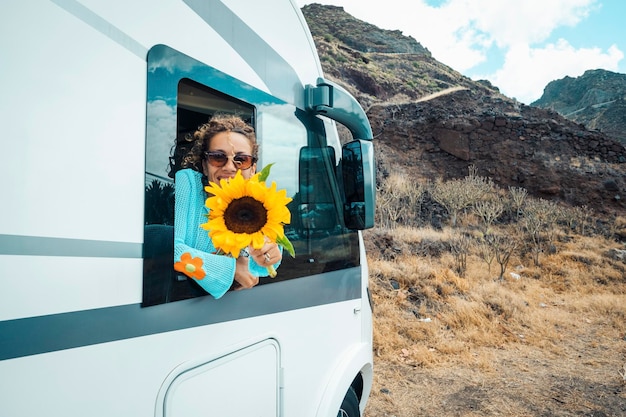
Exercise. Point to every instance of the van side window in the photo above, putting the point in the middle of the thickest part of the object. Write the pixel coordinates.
(182, 94)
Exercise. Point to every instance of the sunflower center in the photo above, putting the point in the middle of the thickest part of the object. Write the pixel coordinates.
(245, 215)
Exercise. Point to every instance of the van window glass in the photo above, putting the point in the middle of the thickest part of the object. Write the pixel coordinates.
(183, 94)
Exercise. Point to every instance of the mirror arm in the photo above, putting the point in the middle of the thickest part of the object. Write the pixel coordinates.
(331, 100)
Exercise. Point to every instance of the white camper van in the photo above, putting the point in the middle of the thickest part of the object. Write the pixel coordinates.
(94, 321)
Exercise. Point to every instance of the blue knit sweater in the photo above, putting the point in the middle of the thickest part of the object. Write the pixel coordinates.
(190, 212)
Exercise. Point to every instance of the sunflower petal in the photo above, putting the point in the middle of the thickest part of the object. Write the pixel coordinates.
(258, 240)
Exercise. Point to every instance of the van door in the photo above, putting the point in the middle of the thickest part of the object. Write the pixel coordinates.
(206, 389)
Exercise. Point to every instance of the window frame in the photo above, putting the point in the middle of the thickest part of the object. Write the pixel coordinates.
(318, 250)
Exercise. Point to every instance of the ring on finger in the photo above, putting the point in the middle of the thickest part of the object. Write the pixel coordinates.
(267, 257)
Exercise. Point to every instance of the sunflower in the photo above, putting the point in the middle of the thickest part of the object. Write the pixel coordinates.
(246, 212)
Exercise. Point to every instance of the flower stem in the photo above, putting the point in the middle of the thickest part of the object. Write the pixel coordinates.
(271, 271)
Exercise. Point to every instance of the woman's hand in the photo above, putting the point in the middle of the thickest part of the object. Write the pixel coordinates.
(243, 277)
(268, 255)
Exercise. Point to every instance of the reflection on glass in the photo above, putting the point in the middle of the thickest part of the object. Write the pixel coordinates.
(320, 216)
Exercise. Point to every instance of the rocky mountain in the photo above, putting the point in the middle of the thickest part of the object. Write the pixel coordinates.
(596, 99)
(431, 122)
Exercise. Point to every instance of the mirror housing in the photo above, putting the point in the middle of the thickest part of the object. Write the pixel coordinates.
(359, 184)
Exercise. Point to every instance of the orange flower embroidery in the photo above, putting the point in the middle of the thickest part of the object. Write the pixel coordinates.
(192, 267)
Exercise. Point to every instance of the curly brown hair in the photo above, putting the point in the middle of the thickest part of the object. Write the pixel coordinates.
(201, 138)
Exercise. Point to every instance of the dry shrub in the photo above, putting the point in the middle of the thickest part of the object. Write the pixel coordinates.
(448, 283)
(583, 270)
(504, 302)
(619, 227)
(412, 270)
(467, 219)
(418, 355)
(395, 330)
(409, 234)
(383, 270)
(413, 234)
(604, 307)
(466, 318)
(399, 201)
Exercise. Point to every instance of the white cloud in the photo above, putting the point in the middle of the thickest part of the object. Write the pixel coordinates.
(510, 22)
(461, 32)
(526, 71)
(161, 130)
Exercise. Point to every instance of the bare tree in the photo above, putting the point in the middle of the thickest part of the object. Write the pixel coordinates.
(583, 215)
(539, 216)
(460, 246)
(458, 194)
(503, 247)
(451, 196)
(486, 252)
(399, 200)
(518, 198)
(489, 211)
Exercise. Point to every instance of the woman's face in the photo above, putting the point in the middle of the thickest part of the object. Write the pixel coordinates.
(231, 145)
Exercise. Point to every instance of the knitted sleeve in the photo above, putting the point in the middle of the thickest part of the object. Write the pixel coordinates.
(194, 253)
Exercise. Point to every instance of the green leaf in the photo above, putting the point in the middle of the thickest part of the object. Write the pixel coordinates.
(286, 244)
(265, 172)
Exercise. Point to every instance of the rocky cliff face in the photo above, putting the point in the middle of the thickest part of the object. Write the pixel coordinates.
(596, 99)
(432, 122)
(515, 145)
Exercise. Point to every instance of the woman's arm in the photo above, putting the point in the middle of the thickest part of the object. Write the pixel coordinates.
(194, 253)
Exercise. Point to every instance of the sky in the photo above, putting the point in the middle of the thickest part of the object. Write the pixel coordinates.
(518, 45)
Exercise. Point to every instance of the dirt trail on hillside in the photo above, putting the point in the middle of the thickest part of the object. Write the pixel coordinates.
(441, 93)
(396, 102)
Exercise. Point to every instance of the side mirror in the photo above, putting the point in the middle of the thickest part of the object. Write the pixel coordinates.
(359, 184)
(357, 164)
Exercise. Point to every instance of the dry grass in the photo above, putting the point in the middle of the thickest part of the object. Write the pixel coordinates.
(546, 340)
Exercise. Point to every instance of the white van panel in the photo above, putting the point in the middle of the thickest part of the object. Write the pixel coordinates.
(109, 379)
(50, 285)
(81, 93)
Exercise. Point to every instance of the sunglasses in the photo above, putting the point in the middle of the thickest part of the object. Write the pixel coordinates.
(219, 159)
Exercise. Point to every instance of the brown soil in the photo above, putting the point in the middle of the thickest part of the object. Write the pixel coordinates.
(556, 360)
(584, 380)
(548, 340)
